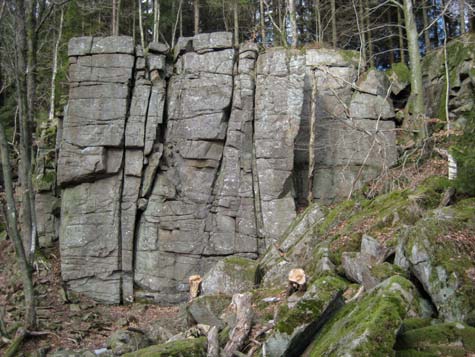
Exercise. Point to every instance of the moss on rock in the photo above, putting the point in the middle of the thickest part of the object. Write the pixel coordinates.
(319, 295)
(194, 347)
(368, 327)
(439, 250)
(449, 339)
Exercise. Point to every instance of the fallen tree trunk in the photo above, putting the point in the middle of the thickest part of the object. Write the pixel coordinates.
(16, 343)
(242, 303)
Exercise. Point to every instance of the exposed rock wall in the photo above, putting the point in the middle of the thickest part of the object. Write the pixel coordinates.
(171, 163)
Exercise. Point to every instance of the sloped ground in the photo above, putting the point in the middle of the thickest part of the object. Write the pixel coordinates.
(69, 322)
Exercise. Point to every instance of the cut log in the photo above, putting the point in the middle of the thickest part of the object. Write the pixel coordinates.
(242, 304)
(213, 342)
(297, 281)
(195, 286)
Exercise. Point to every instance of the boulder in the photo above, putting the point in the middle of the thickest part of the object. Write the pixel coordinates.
(125, 341)
(368, 327)
(207, 309)
(374, 82)
(369, 106)
(230, 276)
(187, 347)
(298, 324)
(446, 271)
(447, 339)
(367, 267)
(158, 48)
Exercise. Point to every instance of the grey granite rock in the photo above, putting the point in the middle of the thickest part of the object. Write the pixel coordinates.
(168, 168)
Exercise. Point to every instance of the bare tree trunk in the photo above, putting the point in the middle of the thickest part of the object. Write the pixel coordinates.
(142, 36)
(114, 17)
(318, 22)
(462, 16)
(156, 20)
(236, 22)
(362, 32)
(181, 23)
(402, 54)
(55, 67)
(196, 7)
(243, 304)
(134, 23)
(416, 69)
(117, 21)
(25, 76)
(262, 21)
(425, 20)
(178, 16)
(31, 40)
(390, 39)
(25, 267)
(333, 15)
(311, 140)
(293, 22)
(370, 37)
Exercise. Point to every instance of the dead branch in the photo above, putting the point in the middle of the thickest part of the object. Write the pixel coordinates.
(242, 302)
(213, 342)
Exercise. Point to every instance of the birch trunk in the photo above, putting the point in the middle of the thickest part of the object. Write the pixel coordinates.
(311, 141)
(236, 22)
(333, 16)
(156, 20)
(142, 36)
(55, 67)
(196, 7)
(262, 21)
(417, 92)
(293, 23)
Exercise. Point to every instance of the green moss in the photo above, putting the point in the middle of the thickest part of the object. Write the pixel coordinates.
(367, 327)
(195, 347)
(400, 71)
(350, 56)
(320, 294)
(441, 335)
(247, 268)
(44, 182)
(334, 216)
(414, 323)
(449, 259)
(386, 270)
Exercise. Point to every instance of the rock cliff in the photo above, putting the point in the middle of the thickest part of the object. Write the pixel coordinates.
(170, 162)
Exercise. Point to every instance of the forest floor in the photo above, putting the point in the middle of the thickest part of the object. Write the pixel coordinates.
(68, 322)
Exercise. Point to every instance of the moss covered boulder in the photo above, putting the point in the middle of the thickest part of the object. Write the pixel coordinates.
(193, 347)
(230, 276)
(124, 341)
(448, 339)
(368, 327)
(297, 325)
(207, 309)
(439, 250)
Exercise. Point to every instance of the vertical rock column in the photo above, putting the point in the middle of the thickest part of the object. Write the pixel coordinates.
(232, 222)
(90, 165)
(172, 234)
(278, 110)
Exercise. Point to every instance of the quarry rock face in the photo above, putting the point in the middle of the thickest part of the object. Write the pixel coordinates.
(170, 163)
